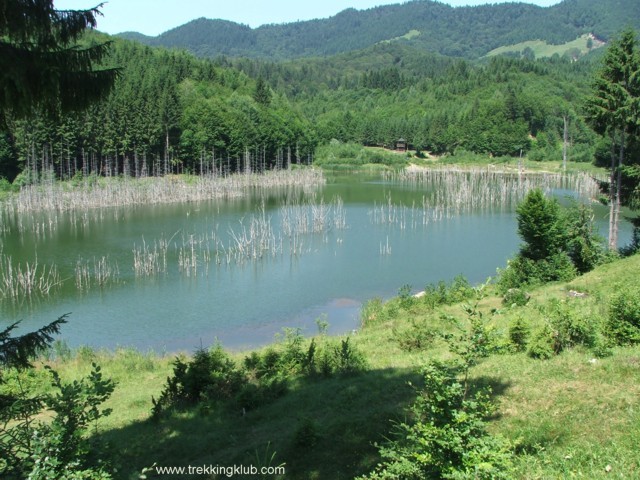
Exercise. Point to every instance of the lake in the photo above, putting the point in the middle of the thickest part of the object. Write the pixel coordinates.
(179, 276)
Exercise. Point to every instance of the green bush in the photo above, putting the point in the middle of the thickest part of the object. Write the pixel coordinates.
(348, 358)
(522, 271)
(418, 336)
(519, 332)
(209, 376)
(584, 245)
(405, 296)
(307, 434)
(261, 392)
(372, 312)
(7, 187)
(559, 244)
(516, 296)
(57, 448)
(623, 324)
(354, 155)
(571, 328)
(542, 344)
(447, 437)
(442, 293)
(566, 328)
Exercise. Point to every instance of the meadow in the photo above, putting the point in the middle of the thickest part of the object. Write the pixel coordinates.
(574, 414)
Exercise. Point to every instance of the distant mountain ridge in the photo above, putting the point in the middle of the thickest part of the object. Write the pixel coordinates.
(468, 32)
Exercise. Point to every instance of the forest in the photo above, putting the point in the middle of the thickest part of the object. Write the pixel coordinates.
(468, 32)
(172, 112)
(531, 374)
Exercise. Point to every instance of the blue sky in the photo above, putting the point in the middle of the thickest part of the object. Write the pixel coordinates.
(153, 17)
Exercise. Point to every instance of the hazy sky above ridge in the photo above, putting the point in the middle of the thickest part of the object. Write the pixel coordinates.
(153, 17)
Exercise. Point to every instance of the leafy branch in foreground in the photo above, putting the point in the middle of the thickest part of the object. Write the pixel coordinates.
(446, 435)
(56, 449)
(16, 352)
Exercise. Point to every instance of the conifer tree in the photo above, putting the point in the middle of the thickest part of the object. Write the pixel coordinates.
(614, 110)
(41, 61)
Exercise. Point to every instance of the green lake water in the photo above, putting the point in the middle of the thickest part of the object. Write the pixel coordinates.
(388, 240)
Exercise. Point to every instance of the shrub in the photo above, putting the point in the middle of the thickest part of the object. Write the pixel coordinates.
(448, 437)
(516, 296)
(541, 346)
(519, 333)
(417, 337)
(623, 325)
(540, 225)
(293, 356)
(307, 433)
(211, 375)
(372, 312)
(566, 328)
(570, 328)
(58, 448)
(442, 294)
(558, 244)
(348, 358)
(522, 271)
(406, 298)
(261, 392)
(584, 245)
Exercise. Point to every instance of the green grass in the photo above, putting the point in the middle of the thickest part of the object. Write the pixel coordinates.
(541, 48)
(570, 416)
(469, 159)
(337, 155)
(407, 36)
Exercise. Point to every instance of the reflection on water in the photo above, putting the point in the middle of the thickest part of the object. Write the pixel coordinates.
(177, 276)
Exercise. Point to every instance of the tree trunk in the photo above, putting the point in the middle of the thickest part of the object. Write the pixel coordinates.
(612, 181)
(613, 241)
(564, 145)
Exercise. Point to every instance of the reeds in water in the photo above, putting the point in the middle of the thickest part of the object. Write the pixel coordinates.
(463, 190)
(126, 191)
(26, 281)
(451, 192)
(99, 274)
(385, 248)
(147, 260)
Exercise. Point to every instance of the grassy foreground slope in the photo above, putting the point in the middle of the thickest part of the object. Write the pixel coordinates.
(573, 415)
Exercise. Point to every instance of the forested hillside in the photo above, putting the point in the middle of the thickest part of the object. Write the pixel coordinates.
(169, 112)
(172, 112)
(498, 107)
(469, 32)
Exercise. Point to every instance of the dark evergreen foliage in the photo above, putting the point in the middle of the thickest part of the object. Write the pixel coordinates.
(17, 352)
(433, 26)
(41, 62)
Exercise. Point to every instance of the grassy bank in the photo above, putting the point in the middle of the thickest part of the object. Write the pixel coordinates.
(338, 156)
(574, 415)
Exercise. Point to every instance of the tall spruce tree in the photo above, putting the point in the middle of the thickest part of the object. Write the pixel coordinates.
(17, 352)
(41, 62)
(614, 110)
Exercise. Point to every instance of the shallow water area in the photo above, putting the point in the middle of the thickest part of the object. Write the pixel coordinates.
(183, 275)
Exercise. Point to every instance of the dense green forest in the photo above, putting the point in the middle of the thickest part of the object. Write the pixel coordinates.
(168, 112)
(172, 112)
(469, 32)
(517, 379)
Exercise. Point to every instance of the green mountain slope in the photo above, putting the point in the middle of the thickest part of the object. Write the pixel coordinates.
(469, 32)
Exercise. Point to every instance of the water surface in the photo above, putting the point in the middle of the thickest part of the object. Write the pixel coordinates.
(243, 304)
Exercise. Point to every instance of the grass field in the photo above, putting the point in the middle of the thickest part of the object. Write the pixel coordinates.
(572, 416)
(541, 48)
